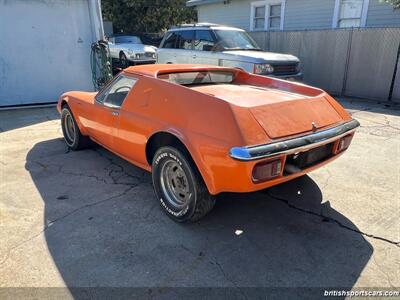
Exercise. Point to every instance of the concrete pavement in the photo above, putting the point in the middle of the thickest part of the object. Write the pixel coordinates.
(89, 218)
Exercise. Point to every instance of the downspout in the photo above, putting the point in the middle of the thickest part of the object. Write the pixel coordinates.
(96, 19)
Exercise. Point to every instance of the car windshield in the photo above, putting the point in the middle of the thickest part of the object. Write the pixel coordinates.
(198, 77)
(235, 40)
(127, 39)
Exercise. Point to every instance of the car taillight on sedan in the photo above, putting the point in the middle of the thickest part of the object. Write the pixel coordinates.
(267, 170)
(344, 143)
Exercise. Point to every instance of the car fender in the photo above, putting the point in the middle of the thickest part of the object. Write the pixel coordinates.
(74, 105)
(195, 153)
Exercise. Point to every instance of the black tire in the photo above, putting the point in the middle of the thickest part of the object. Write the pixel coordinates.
(193, 201)
(72, 135)
(123, 61)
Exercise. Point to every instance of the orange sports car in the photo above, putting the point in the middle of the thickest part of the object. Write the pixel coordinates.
(202, 130)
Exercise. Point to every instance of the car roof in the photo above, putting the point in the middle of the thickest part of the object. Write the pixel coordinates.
(123, 35)
(155, 69)
(202, 26)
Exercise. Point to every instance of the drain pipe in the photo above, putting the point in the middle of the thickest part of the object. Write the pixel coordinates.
(96, 19)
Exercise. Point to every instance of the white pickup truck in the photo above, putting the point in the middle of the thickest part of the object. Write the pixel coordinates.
(214, 44)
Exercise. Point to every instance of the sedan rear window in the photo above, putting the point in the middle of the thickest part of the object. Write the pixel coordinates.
(198, 77)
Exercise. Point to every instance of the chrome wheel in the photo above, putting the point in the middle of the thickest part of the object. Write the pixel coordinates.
(69, 129)
(175, 184)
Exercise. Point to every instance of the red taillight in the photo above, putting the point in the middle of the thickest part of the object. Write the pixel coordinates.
(267, 170)
(344, 143)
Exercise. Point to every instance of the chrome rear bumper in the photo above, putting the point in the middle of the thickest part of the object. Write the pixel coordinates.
(293, 145)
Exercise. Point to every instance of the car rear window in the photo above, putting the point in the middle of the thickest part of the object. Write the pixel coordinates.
(198, 77)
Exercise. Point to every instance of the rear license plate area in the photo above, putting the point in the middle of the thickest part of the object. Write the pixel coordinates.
(308, 158)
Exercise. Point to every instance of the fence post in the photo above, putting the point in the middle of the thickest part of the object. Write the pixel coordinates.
(346, 68)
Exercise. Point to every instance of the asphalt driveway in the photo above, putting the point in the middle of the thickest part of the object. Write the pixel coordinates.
(89, 218)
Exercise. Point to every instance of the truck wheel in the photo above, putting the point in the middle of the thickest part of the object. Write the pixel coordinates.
(179, 186)
(72, 135)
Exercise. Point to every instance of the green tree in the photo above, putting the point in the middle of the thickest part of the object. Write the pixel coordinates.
(395, 3)
(146, 15)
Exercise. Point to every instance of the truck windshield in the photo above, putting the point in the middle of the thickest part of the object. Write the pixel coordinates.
(198, 77)
(127, 39)
(235, 40)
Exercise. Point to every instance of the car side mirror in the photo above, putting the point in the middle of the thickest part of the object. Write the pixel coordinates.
(208, 47)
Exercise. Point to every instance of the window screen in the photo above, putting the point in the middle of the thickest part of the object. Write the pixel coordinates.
(350, 13)
(275, 16)
(259, 17)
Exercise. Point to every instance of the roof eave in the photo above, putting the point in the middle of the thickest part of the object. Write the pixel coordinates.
(202, 2)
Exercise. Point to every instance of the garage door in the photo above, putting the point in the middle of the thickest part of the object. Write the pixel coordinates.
(44, 50)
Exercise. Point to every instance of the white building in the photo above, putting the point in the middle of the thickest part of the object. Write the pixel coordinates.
(254, 15)
(45, 48)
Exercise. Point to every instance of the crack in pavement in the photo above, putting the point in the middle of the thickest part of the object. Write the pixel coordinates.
(214, 261)
(52, 222)
(327, 179)
(330, 219)
(97, 178)
(45, 167)
(121, 170)
(383, 272)
(387, 123)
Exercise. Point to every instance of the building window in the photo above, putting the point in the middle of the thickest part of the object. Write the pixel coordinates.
(267, 14)
(275, 16)
(350, 13)
(259, 17)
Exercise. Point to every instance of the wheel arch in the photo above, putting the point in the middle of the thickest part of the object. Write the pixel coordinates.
(65, 102)
(165, 138)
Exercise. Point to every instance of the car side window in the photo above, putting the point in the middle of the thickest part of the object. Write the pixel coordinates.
(170, 40)
(185, 39)
(203, 40)
(116, 93)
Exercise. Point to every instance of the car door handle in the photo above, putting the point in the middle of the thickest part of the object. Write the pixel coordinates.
(194, 56)
(115, 113)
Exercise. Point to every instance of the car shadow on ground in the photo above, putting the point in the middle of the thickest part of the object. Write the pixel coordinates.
(104, 228)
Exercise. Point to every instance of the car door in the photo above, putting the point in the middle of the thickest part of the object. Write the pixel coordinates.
(180, 51)
(203, 46)
(135, 126)
(166, 51)
(185, 53)
(106, 110)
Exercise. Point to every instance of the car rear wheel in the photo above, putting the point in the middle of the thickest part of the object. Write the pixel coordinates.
(179, 186)
(123, 60)
(72, 135)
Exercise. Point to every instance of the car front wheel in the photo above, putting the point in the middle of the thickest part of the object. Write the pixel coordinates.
(123, 60)
(72, 135)
(179, 186)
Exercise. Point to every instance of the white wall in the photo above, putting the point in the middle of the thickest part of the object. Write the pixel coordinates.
(45, 48)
